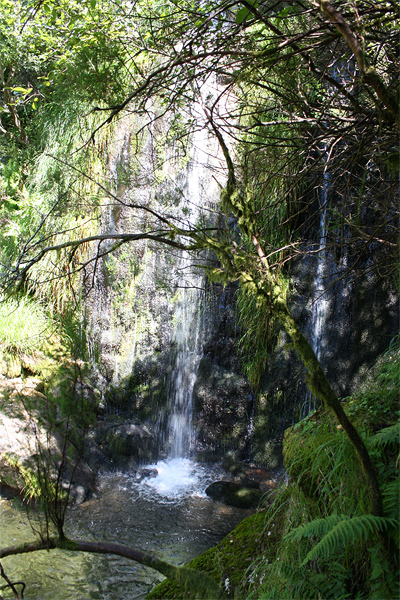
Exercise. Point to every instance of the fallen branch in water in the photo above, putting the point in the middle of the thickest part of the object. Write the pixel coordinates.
(198, 583)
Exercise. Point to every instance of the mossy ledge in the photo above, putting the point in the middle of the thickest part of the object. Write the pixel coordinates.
(228, 562)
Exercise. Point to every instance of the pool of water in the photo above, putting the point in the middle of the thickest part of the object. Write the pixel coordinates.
(168, 515)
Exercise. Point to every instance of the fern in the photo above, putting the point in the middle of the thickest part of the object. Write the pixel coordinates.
(339, 530)
(388, 435)
(315, 528)
(391, 498)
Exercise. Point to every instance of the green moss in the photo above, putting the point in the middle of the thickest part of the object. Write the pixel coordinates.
(229, 561)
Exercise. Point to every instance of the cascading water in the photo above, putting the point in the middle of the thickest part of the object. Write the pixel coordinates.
(189, 325)
(320, 304)
(320, 299)
(178, 473)
(183, 377)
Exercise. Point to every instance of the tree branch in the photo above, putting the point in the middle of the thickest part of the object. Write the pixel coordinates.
(368, 71)
(197, 582)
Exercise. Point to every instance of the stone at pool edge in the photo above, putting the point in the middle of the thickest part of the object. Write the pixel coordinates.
(234, 494)
(145, 473)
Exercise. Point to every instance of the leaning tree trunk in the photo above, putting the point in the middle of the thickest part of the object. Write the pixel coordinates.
(197, 584)
(320, 386)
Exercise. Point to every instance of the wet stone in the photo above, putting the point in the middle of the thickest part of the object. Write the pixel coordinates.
(234, 494)
(143, 473)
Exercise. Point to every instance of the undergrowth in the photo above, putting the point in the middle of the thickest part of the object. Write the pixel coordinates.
(23, 326)
(332, 548)
(50, 195)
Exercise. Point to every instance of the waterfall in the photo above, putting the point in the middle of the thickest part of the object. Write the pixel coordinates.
(320, 303)
(183, 377)
(320, 299)
(189, 323)
(148, 315)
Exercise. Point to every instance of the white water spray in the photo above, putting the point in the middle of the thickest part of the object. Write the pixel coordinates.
(320, 303)
(320, 300)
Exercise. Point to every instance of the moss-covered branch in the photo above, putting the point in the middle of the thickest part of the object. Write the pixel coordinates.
(199, 584)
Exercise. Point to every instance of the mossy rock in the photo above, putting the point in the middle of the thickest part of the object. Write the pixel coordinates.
(118, 444)
(234, 494)
(229, 562)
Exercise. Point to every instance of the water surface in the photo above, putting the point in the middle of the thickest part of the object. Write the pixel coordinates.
(168, 515)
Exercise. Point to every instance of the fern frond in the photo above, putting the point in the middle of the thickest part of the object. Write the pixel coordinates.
(347, 531)
(386, 436)
(391, 498)
(316, 528)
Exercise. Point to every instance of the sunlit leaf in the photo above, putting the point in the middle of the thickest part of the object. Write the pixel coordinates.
(21, 90)
(241, 15)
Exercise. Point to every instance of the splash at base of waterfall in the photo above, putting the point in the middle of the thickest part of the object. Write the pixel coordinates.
(178, 478)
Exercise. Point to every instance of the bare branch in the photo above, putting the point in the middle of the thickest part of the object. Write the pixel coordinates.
(370, 75)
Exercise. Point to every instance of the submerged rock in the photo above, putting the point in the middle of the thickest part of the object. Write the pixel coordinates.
(145, 473)
(234, 494)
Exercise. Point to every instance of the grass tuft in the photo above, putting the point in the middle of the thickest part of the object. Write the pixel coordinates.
(23, 326)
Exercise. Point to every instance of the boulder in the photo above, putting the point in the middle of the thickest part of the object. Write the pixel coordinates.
(234, 494)
(126, 443)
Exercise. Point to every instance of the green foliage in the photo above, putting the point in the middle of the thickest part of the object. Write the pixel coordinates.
(259, 327)
(376, 403)
(45, 196)
(388, 435)
(24, 326)
(255, 320)
(322, 478)
(332, 548)
(55, 60)
(69, 402)
(338, 531)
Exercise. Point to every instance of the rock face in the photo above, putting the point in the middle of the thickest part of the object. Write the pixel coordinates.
(222, 406)
(124, 444)
(26, 444)
(361, 318)
(135, 312)
(132, 324)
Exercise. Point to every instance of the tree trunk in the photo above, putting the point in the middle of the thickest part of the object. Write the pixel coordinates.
(321, 388)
